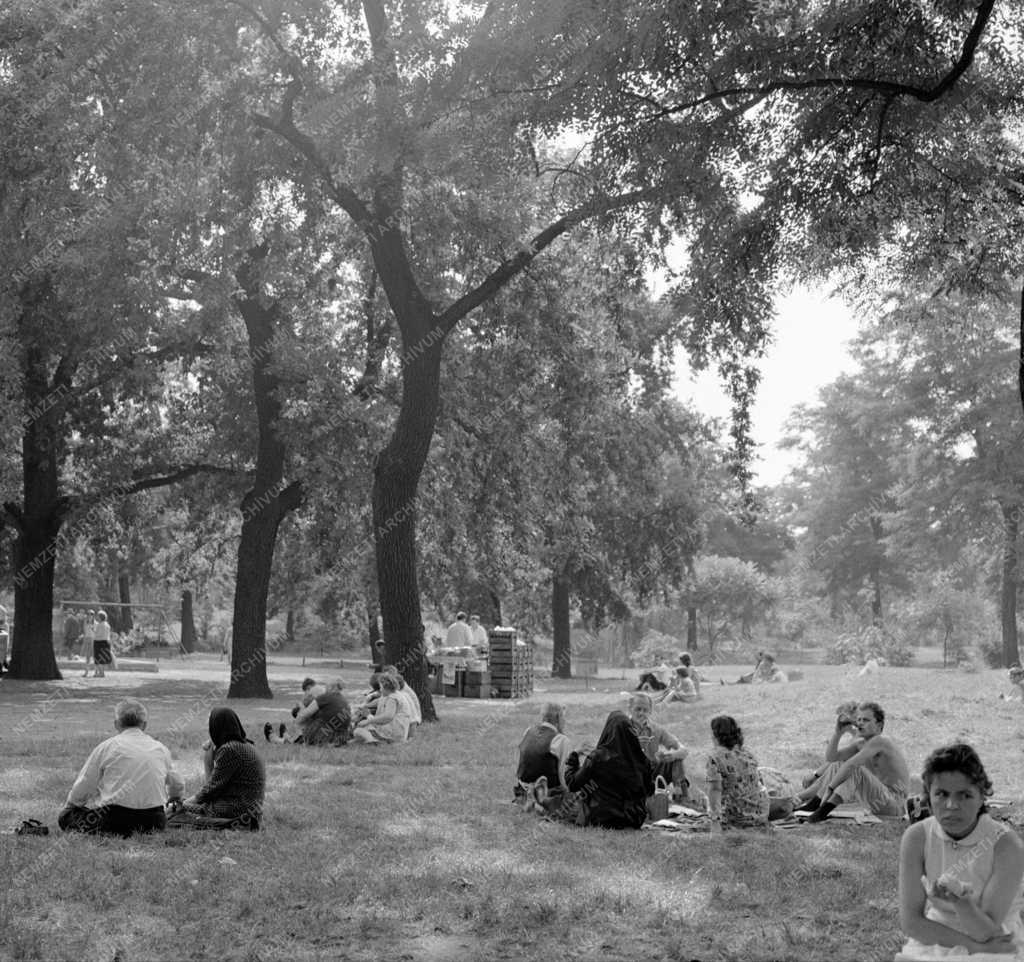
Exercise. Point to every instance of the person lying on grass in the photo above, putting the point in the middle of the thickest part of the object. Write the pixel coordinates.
(871, 769)
(232, 795)
(961, 876)
(613, 784)
(735, 799)
(125, 782)
(325, 720)
(665, 752)
(390, 722)
(543, 753)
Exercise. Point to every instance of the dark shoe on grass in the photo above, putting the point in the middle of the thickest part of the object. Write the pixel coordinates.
(268, 730)
(282, 730)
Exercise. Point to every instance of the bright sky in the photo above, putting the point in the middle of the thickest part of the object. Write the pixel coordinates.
(809, 350)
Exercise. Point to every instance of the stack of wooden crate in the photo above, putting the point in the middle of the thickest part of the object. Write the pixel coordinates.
(511, 664)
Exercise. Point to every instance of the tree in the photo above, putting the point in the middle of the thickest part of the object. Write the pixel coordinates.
(82, 320)
(729, 595)
(849, 484)
(951, 362)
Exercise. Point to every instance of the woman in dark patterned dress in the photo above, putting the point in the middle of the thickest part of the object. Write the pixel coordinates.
(233, 791)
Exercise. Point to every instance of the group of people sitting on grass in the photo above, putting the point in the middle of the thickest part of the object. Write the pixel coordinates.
(386, 712)
(666, 684)
(128, 783)
(611, 786)
(961, 872)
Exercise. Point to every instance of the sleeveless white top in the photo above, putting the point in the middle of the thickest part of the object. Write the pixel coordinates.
(969, 859)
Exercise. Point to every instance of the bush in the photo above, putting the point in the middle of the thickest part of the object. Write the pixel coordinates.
(656, 648)
(990, 650)
(870, 642)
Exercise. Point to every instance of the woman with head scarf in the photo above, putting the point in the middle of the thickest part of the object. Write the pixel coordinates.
(613, 784)
(236, 779)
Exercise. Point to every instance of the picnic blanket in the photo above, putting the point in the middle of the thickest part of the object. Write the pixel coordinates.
(849, 813)
(681, 820)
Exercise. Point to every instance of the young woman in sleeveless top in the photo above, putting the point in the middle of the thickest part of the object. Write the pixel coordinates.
(961, 871)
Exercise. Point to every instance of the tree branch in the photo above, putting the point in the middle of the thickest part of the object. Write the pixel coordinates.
(518, 262)
(890, 88)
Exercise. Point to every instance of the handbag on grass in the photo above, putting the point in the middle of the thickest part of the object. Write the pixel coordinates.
(657, 804)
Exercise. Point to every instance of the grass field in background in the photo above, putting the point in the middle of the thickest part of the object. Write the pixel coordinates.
(413, 852)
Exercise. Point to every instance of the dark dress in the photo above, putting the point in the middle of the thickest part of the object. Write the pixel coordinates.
(613, 784)
(234, 790)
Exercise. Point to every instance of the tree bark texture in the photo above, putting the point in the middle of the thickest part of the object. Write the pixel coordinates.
(267, 501)
(691, 629)
(1008, 593)
(561, 655)
(124, 595)
(38, 522)
(396, 478)
(188, 622)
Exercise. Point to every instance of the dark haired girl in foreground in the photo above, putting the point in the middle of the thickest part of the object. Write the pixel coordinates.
(961, 871)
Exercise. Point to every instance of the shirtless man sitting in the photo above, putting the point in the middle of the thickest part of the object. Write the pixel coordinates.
(871, 769)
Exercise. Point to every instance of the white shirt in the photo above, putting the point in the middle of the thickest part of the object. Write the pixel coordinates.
(459, 635)
(412, 700)
(130, 769)
(479, 635)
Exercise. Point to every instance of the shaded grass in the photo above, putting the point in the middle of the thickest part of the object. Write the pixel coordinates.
(413, 851)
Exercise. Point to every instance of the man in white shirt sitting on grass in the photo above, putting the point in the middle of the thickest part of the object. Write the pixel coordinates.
(126, 781)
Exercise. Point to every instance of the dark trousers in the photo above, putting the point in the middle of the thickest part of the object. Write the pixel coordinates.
(112, 820)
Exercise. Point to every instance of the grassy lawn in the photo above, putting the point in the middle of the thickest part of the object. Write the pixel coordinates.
(413, 852)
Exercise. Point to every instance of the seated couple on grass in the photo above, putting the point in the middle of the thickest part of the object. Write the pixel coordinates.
(128, 781)
(870, 769)
(322, 718)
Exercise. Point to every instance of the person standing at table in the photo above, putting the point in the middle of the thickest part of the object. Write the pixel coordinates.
(478, 633)
(459, 634)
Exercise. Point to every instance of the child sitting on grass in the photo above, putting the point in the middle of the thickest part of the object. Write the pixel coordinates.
(961, 871)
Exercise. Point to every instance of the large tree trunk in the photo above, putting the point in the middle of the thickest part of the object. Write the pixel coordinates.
(38, 524)
(124, 594)
(267, 501)
(188, 622)
(561, 655)
(876, 576)
(395, 480)
(373, 636)
(691, 628)
(1008, 599)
